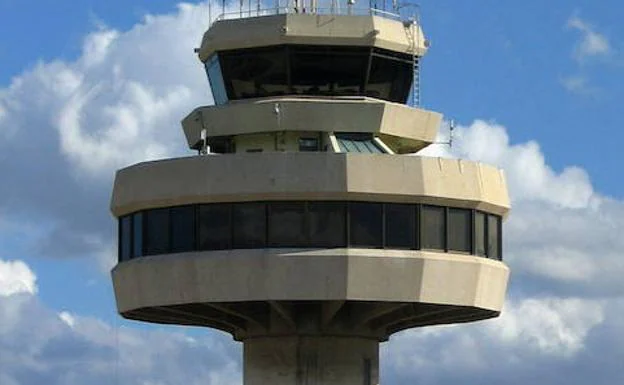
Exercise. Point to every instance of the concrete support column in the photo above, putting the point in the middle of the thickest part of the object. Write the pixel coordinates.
(311, 360)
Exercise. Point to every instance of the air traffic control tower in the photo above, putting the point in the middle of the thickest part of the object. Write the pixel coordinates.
(302, 227)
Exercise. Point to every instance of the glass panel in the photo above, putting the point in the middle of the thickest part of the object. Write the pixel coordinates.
(125, 238)
(248, 225)
(182, 229)
(460, 230)
(493, 236)
(137, 235)
(365, 224)
(389, 78)
(157, 231)
(327, 224)
(308, 144)
(287, 224)
(433, 227)
(215, 77)
(400, 226)
(480, 234)
(253, 73)
(357, 142)
(328, 70)
(214, 227)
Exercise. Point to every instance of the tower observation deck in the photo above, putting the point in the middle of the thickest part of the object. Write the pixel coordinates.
(302, 228)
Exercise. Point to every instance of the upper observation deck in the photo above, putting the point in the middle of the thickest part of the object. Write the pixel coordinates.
(303, 49)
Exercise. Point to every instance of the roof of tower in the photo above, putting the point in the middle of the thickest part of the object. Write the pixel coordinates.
(370, 30)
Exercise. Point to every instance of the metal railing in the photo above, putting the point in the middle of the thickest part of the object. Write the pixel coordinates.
(395, 11)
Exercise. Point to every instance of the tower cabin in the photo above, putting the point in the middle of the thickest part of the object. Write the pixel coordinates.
(303, 228)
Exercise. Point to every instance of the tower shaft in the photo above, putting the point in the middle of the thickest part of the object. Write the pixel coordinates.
(311, 360)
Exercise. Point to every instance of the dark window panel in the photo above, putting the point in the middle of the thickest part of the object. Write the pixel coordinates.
(460, 230)
(308, 144)
(327, 224)
(156, 231)
(125, 238)
(182, 229)
(252, 73)
(248, 225)
(433, 227)
(215, 231)
(137, 234)
(365, 224)
(215, 77)
(328, 70)
(389, 79)
(400, 226)
(287, 224)
(480, 235)
(493, 236)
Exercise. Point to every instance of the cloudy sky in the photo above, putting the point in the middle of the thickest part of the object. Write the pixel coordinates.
(89, 86)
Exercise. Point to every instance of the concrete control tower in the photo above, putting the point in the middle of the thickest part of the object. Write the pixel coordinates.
(302, 227)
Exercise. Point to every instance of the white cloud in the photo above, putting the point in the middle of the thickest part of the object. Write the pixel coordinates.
(533, 338)
(68, 318)
(67, 126)
(528, 175)
(16, 278)
(592, 43)
(552, 326)
(580, 85)
(37, 346)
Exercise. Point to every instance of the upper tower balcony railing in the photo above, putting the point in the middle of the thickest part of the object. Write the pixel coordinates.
(404, 11)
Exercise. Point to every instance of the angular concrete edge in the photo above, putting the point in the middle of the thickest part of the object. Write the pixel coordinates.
(309, 176)
(404, 129)
(406, 276)
(311, 29)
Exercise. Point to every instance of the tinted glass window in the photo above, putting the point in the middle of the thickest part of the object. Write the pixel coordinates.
(215, 231)
(125, 237)
(287, 224)
(357, 142)
(157, 231)
(480, 233)
(433, 227)
(389, 78)
(182, 229)
(137, 235)
(327, 226)
(493, 236)
(400, 226)
(327, 70)
(253, 73)
(460, 230)
(308, 144)
(365, 224)
(213, 69)
(249, 225)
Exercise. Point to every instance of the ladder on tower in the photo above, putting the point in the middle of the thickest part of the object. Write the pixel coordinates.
(411, 30)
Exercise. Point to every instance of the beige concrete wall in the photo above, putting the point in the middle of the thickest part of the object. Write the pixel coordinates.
(309, 176)
(309, 275)
(404, 129)
(312, 30)
(310, 361)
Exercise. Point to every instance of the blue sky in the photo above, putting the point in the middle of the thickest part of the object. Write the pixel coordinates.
(87, 87)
